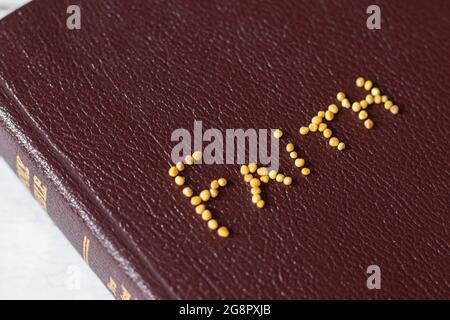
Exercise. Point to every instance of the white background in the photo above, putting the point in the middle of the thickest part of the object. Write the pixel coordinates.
(36, 260)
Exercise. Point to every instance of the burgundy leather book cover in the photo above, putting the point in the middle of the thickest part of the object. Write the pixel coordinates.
(90, 113)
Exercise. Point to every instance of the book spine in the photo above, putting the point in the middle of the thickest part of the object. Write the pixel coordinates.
(61, 200)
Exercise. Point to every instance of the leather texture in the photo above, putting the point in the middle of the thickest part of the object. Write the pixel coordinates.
(96, 108)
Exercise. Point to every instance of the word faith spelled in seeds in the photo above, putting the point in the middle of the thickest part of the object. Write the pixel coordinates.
(256, 176)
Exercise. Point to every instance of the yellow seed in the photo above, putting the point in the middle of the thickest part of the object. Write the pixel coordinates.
(273, 174)
(279, 177)
(312, 127)
(377, 99)
(322, 127)
(363, 104)
(255, 183)
(333, 108)
(214, 184)
(173, 172)
(264, 179)
(369, 99)
(262, 171)
(394, 109)
(368, 85)
(287, 181)
(329, 115)
(289, 147)
(375, 91)
(197, 155)
(260, 204)
(340, 96)
(384, 98)
(179, 180)
(388, 104)
(256, 198)
(293, 155)
(213, 224)
(196, 200)
(214, 193)
(200, 208)
(316, 120)
(244, 170)
(362, 115)
(222, 182)
(188, 192)
(256, 190)
(321, 113)
(189, 160)
(180, 166)
(341, 146)
(360, 82)
(356, 106)
(327, 133)
(248, 177)
(278, 133)
(205, 195)
(304, 130)
(223, 232)
(368, 124)
(206, 215)
(346, 103)
(300, 162)
(252, 167)
(306, 171)
(334, 142)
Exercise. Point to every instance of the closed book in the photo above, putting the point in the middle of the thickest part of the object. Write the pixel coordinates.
(94, 100)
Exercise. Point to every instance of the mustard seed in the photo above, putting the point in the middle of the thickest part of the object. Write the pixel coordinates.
(360, 82)
(322, 127)
(200, 208)
(252, 167)
(363, 104)
(248, 178)
(340, 96)
(223, 232)
(290, 147)
(189, 160)
(279, 177)
(222, 182)
(260, 204)
(327, 133)
(273, 174)
(256, 198)
(196, 200)
(264, 179)
(334, 142)
(312, 127)
(375, 91)
(369, 99)
(362, 115)
(262, 171)
(179, 180)
(394, 109)
(368, 85)
(346, 103)
(293, 155)
(304, 130)
(278, 133)
(197, 155)
(333, 108)
(287, 181)
(214, 193)
(388, 104)
(256, 190)
(180, 166)
(329, 115)
(188, 192)
(205, 195)
(377, 99)
(215, 184)
(341, 146)
(321, 114)
(384, 98)
(316, 120)
(255, 182)
(300, 162)
(173, 172)
(244, 170)
(206, 215)
(368, 124)
(356, 107)
(306, 171)
(213, 224)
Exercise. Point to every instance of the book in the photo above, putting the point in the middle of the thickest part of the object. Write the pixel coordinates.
(92, 118)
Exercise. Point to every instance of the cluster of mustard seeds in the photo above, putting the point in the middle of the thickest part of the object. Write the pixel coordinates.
(298, 161)
(198, 201)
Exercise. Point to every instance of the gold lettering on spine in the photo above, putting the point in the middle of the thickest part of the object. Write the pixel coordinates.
(125, 295)
(40, 192)
(23, 172)
(86, 243)
(112, 286)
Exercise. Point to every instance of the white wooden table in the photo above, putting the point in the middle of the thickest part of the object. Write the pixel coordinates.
(36, 260)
